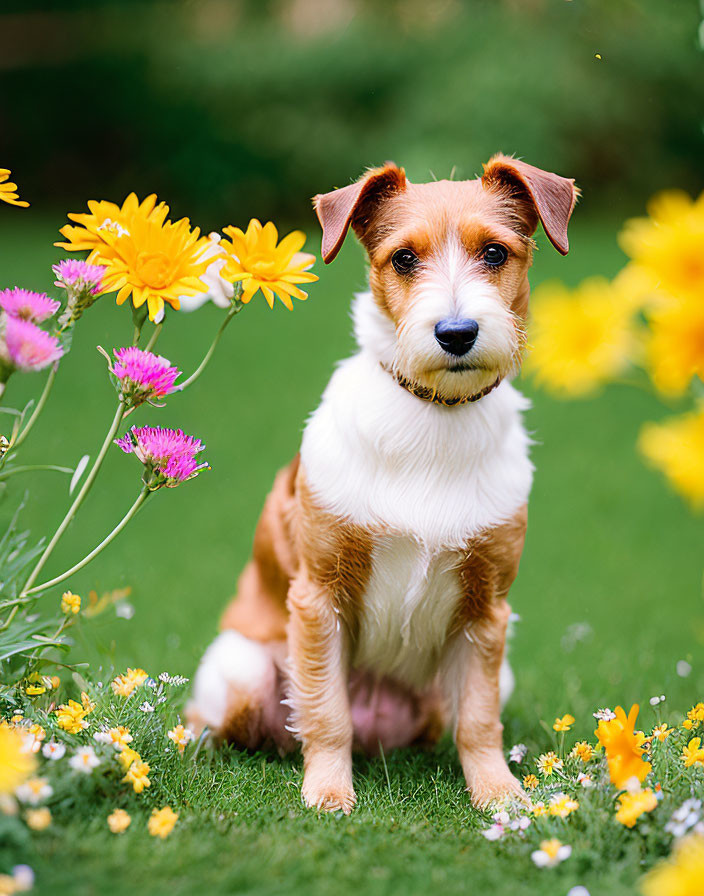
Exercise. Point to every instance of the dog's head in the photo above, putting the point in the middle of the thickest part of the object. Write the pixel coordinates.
(448, 266)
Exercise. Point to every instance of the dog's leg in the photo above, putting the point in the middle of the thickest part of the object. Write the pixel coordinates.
(478, 732)
(321, 711)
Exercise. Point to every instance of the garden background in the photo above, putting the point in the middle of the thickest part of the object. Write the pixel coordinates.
(233, 109)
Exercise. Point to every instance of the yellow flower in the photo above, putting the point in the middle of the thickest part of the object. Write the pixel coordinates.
(676, 448)
(180, 736)
(70, 603)
(530, 782)
(675, 346)
(137, 775)
(162, 822)
(538, 809)
(38, 819)
(120, 736)
(119, 821)
(661, 732)
(124, 685)
(88, 704)
(256, 260)
(562, 805)
(633, 805)
(33, 690)
(16, 762)
(623, 747)
(680, 875)
(548, 762)
(579, 340)
(696, 713)
(71, 717)
(669, 244)
(564, 723)
(127, 756)
(582, 750)
(8, 190)
(693, 754)
(55, 681)
(106, 219)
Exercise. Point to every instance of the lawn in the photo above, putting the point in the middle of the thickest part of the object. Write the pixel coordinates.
(609, 595)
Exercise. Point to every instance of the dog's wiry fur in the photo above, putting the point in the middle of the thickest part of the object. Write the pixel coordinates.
(373, 611)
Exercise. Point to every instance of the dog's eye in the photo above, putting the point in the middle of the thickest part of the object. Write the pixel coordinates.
(404, 260)
(495, 255)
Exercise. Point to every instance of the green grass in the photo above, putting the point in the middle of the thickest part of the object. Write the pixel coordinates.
(608, 546)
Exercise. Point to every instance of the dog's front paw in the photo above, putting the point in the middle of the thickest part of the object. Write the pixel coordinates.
(496, 789)
(327, 784)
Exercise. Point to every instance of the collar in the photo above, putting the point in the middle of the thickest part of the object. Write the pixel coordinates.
(425, 393)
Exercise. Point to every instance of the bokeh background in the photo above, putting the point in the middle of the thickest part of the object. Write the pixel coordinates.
(234, 108)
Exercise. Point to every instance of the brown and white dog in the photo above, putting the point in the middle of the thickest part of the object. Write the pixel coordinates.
(373, 611)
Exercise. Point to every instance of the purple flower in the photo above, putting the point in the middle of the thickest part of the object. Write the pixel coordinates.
(24, 303)
(79, 276)
(26, 346)
(168, 453)
(143, 375)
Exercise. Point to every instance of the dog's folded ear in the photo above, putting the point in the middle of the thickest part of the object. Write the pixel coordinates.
(547, 197)
(354, 206)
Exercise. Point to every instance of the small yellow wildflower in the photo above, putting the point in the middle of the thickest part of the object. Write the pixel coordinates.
(530, 782)
(119, 821)
(16, 762)
(551, 853)
(8, 190)
(562, 805)
(33, 690)
(181, 737)
(71, 717)
(120, 736)
(70, 603)
(539, 809)
(55, 681)
(633, 805)
(137, 775)
(127, 756)
(38, 819)
(693, 753)
(661, 732)
(680, 875)
(124, 685)
(675, 447)
(582, 750)
(623, 747)
(564, 723)
(549, 762)
(162, 822)
(696, 714)
(255, 259)
(88, 704)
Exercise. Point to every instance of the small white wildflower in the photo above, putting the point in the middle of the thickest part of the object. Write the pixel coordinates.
(551, 853)
(34, 791)
(495, 832)
(103, 737)
(684, 669)
(684, 818)
(585, 780)
(147, 707)
(124, 610)
(578, 891)
(23, 877)
(84, 760)
(164, 676)
(517, 753)
(52, 750)
(604, 715)
(632, 785)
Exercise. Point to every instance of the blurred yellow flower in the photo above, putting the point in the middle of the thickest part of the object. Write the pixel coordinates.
(88, 704)
(564, 723)
(16, 762)
(530, 782)
(162, 821)
(137, 775)
(579, 340)
(71, 717)
(119, 821)
(127, 756)
(8, 190)
(680, 875)
(539, 809)
(255, 259)
(549, 762)
(70, 603)
(562, 805)
(669, 244)
(33, 690)
(676, 448)
(675, 346)
(38, 819)
(633, 805)
(623, 747)
(582, 750)
(693, 753)
(124, 685)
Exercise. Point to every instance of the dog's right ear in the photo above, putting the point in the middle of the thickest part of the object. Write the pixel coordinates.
(354, 206)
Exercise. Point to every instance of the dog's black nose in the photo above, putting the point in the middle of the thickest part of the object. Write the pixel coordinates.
(456, 336)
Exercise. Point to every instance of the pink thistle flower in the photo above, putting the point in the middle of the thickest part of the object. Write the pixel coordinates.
(143, 375)
(28, 347)
(168, 453)
(79, 276)
(24, 303)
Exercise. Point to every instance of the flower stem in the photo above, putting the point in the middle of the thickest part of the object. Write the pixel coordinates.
(236, 307)
(155, 335)
(29, 468)
(143, 495)
(40, 406)
(85, 488)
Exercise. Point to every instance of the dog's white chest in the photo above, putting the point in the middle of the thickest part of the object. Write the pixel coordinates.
(408, 607)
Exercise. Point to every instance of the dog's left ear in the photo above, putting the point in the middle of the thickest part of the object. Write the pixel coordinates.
(550, 198)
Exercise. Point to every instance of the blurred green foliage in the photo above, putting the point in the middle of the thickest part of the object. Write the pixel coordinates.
(230, 108)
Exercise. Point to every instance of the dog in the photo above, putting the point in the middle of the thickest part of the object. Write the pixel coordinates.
(373, 611)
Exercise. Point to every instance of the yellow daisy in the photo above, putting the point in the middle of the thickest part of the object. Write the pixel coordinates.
(255, 259)
(676, 448)
(106, 219)
(675, 347)
(8, 190)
